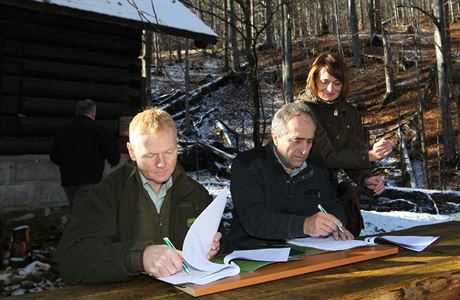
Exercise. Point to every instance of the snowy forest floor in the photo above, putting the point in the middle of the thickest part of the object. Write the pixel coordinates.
(223, 120)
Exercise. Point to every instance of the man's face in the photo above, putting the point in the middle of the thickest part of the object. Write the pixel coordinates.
(294, 146)
(155, 155)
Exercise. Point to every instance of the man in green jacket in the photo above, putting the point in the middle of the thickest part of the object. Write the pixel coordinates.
(116, 231)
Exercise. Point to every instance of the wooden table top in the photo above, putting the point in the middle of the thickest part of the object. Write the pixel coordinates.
(431, 274)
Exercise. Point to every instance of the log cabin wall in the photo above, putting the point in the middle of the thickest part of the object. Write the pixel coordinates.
(49, 61)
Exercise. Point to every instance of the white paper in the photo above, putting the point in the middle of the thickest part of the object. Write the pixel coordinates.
(411, 242)
(197, 244)
(328, 243)
(270, 254)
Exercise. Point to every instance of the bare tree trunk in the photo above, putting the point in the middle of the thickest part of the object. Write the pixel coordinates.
(451, 9)
(179, 54)
(337, 27)
(324, 28)
(157, 53)
(251, 56)
(288, 81)
(226, 38)
(440, 44)
(146, 63)
(354, 33)
(235, 59)
(390, 88)
(371, 15)
(188, 120)
(378, 17)
(269, 36)
(421, 106)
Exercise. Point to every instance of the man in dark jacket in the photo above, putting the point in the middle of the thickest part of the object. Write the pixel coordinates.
(276, 189)
(81, 149)
(116, 231)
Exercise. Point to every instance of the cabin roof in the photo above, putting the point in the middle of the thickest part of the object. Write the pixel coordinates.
(165, 16)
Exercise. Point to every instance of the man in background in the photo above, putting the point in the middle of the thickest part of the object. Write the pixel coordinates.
(80, 151)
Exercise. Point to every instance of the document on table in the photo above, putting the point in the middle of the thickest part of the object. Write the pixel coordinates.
(415, 243)
(328, 243)
(411, 242)
(270, 254)
(198, 241)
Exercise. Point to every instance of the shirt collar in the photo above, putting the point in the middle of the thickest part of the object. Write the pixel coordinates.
(294, 171)
(164, 187)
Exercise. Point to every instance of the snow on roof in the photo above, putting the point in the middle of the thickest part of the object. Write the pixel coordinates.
(168, 13)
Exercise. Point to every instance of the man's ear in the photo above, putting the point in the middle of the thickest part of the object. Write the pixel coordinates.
(131, 151)
(275, 138)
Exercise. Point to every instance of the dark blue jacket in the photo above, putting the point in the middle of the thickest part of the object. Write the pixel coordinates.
(269, 205)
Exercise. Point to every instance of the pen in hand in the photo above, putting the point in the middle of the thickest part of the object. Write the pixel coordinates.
(170, 245)
(324, 211)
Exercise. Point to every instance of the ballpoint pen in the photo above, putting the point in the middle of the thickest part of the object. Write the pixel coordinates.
(324, 211)
(170, 245)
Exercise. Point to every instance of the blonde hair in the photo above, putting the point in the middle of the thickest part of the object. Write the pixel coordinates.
(151, 120)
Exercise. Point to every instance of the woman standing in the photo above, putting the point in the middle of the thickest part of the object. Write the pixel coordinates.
(340, 140)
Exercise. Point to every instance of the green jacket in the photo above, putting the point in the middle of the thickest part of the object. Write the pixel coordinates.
(97, 244)
(340, 140)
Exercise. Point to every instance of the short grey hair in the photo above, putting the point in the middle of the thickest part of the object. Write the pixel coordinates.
(85, 107)
(283, 115)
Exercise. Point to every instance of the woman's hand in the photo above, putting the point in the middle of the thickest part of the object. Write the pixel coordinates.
(381, 149)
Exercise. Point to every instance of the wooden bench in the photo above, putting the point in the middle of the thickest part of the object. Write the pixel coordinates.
(431, 274)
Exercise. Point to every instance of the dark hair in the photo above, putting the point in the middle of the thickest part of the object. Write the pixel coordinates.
(85, 107)
(335, 66)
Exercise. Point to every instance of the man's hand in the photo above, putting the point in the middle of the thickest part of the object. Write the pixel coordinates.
(375, 184)
(215, 247)
(381, 149)
(161, 261)
(342, 236)
(321, 224)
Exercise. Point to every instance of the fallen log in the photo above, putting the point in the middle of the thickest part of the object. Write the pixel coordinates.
(414, 200)
(196, 95)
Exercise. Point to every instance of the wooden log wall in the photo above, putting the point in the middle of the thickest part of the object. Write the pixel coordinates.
(49, 61)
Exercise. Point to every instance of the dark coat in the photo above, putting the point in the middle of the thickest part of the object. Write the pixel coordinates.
(80, 151)
(340, 140)
(97, 243)
(271, 206)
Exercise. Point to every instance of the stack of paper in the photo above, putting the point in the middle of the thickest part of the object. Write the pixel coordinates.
(415, 243)
(198, 242)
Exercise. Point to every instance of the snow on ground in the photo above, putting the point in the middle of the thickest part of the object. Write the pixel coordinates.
(379, 222)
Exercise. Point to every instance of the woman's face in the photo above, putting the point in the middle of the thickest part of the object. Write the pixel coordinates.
(329, 87)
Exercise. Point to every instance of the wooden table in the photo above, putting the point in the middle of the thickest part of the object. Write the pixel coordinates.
(431, 274)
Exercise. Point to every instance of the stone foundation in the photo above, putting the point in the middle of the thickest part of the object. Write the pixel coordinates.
(29, 182)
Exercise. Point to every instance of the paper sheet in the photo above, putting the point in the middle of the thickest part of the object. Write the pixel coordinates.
(328, 243)
(196, 246)
(272, 255)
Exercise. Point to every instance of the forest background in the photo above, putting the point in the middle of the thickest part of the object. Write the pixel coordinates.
(403, 57)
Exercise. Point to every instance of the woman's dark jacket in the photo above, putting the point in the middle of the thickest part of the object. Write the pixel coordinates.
(271, 206)
(340, 140)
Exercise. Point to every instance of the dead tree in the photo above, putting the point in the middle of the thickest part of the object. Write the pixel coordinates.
(356, 44)
(390, 86)
(288, 81)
